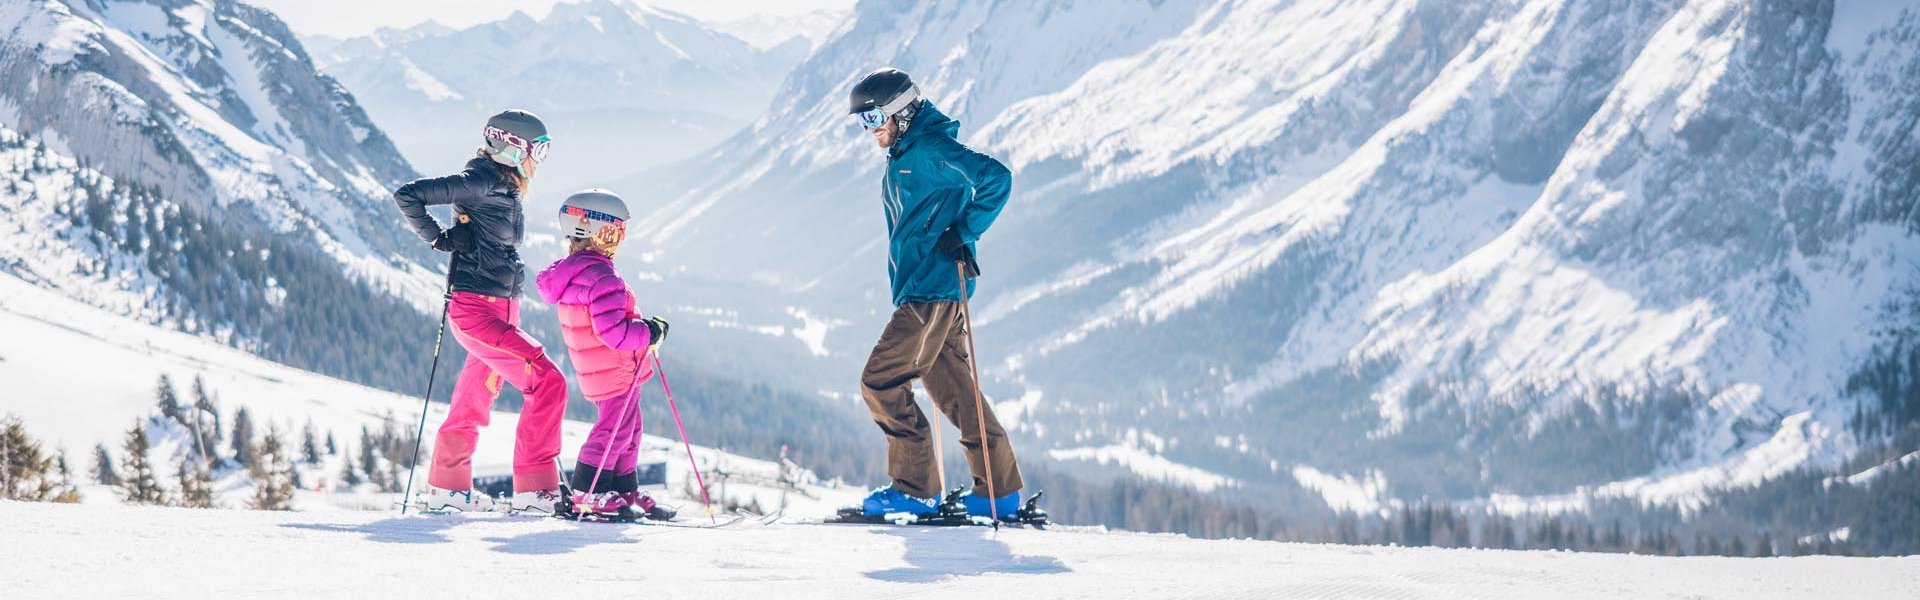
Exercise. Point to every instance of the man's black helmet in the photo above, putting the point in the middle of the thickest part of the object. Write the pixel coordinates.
(889, 90)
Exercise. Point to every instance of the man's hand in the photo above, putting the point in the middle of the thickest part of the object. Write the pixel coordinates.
(950, 245)
(454, 239)
(657, 329)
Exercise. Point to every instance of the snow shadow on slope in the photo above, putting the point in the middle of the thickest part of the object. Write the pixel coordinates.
(431, 530)
(936, 553)
(397, 530)
(559, 541)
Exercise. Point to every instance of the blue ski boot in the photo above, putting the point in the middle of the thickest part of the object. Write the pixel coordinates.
(886, 501)
(1007, 507)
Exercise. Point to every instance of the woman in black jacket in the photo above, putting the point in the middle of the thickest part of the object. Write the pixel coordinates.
(485, 279)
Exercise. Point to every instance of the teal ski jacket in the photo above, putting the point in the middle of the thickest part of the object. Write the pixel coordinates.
(932, 183)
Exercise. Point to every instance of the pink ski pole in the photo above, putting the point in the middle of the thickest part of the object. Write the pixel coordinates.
(618, 422)
(671, 407)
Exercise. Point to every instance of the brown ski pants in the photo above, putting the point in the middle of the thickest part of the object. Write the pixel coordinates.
(927, 341)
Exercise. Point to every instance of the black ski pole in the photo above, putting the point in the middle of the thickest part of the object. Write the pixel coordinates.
(425, 399)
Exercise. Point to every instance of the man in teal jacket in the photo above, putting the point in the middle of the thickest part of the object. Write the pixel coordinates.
(939, 196)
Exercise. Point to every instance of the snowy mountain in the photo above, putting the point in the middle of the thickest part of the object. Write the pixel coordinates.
(768, 31)
(1553, 254)
(212, 103)
(622, 86)
(184, 163)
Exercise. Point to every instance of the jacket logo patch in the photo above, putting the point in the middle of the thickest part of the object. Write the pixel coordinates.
(906, 171)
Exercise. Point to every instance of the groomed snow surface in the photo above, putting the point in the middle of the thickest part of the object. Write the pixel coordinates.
(63, 551)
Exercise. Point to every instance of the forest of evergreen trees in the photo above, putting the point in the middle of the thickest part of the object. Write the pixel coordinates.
(279, 297)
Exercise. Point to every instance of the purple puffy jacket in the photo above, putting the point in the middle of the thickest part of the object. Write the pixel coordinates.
(599, 322)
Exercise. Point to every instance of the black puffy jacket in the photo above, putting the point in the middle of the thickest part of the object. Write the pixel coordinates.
(490, 202)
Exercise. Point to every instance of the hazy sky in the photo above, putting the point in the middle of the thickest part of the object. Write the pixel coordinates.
(356, 17)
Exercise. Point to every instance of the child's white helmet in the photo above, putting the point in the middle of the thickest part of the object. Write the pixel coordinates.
(586, 212)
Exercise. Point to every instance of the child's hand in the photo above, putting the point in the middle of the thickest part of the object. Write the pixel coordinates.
(657, 327)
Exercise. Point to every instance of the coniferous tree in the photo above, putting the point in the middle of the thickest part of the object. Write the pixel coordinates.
(396, 478)
(139, 485)
(309, 447)
(196, 485)
(26, 472)
(66, 492)
(103, 473)
(332, 450)
(169, 401)
(369, 462)
(242, 440)
(348, 476)
(274, 491)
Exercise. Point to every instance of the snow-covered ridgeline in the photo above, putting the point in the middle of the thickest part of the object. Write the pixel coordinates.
(1512, 208)
(622, 85)
(213, 104)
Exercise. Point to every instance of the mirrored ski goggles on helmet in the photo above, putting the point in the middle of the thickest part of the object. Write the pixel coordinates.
(872, 118)
(875, 117)
(519, 148)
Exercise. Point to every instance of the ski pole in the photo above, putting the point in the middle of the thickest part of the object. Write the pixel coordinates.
(939, 460)
(618, 421)
(702, 481)
(432, 373)
(979, 399)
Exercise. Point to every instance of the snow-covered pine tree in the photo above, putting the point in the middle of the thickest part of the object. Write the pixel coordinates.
(196, 484)
(169, 401)
(369, 462)
(332, 450)
(103, 473)
(274, 491)
(348, 476)
(139, 485)
(243, 440)
(396, 477)
(309, 447)
(26, 473)
(66, 493)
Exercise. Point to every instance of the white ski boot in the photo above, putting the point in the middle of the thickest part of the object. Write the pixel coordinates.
(439, 500)
(541, 503)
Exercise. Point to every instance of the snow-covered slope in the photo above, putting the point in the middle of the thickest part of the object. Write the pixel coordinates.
(79, 376)
(1616, 249)
(82, 551)
(621, 84)
(213, 104)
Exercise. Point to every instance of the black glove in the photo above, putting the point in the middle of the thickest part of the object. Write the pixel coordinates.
(656, 329)
(454, 239)
(951, 245)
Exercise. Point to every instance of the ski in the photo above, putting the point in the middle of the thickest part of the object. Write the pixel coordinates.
(950, 513)
(730, 521)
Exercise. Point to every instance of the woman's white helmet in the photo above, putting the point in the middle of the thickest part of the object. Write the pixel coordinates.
(586, 212)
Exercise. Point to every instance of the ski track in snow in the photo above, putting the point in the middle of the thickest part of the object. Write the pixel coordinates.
(102, 551)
